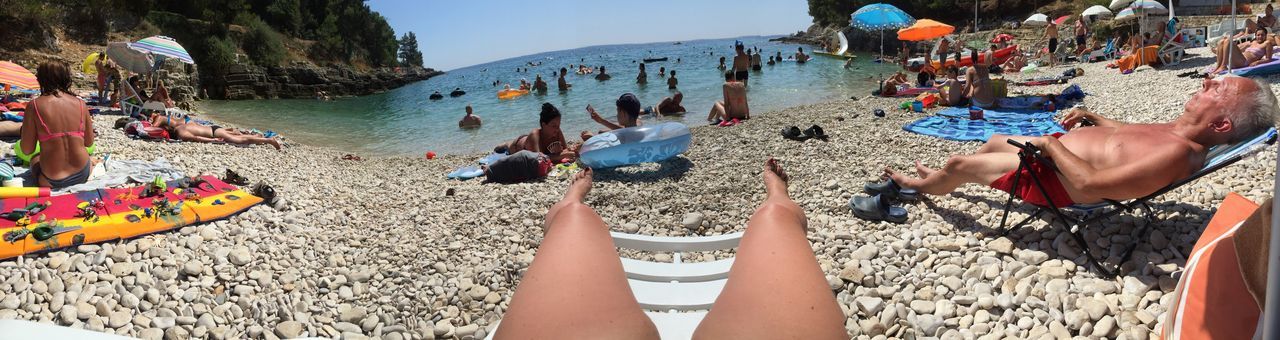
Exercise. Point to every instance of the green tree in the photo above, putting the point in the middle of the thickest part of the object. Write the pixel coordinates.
(263, 45)
(409, 53)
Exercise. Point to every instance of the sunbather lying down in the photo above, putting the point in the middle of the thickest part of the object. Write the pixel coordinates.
(576, 288)
(192, 132)
(1111, 160)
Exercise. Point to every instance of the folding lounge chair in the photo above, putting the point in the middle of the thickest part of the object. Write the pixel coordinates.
(131, 104)
(1175, 47)
(674, 295)
(1106, 53)
(1082, 216)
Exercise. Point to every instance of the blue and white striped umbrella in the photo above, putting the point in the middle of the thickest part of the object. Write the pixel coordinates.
(165, 46)
(879, 16)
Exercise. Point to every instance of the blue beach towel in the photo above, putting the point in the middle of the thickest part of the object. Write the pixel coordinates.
(954, 124)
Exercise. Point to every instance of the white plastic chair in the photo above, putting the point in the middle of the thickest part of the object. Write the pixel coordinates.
(674, 295)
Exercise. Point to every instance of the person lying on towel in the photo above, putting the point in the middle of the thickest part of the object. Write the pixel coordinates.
(192, 132)
(1110, 160)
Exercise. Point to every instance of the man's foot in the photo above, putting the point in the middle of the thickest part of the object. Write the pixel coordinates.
(579, 187)
(923, 171)
(274, 143)
(775, 179)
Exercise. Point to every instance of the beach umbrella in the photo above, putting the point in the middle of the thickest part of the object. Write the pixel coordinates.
(1149, 7)
(1118, 4)
(133, 60)
(1061, 20)
(1037, 20)
(880, 17)
(925, 29)
(1002, 37)
(89, 62)
(15, 75)
(1126, 14)
(165, 46)
(1097, 11)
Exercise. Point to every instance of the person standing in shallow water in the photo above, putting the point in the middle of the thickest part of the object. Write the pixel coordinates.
(470, 121)
(603, 76)
(672, 82)
(643, 77)
(741, 63)
(561, 83)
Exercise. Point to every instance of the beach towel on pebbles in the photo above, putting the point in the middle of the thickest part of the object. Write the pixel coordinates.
(116, 173)
(954, 124)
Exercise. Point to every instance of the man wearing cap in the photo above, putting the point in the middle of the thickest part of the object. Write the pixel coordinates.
(628, 115)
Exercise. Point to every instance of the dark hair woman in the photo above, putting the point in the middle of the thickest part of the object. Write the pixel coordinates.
(57, 134)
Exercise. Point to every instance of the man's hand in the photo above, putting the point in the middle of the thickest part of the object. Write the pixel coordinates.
(592, 111)
(1076, 116)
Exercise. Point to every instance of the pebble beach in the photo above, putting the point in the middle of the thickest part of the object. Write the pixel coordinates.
(387, 248)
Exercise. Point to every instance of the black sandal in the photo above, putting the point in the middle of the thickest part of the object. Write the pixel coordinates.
(793, 133)
(877, 208)
(891, 190)
(816, 132)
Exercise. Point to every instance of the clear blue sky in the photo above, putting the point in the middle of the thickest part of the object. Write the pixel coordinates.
(459, 33)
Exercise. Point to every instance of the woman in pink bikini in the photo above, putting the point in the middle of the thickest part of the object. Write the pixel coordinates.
(58, 132)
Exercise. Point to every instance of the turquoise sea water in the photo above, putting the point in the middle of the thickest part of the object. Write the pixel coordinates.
(405, 122)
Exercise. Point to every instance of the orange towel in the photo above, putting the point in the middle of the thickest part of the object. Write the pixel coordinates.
(1211, 300)
(1149, 54)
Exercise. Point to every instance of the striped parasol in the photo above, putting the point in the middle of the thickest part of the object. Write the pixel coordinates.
(164, 46)
(123, 54)
(15, 75)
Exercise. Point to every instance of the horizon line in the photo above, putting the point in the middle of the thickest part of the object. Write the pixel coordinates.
(609, 45)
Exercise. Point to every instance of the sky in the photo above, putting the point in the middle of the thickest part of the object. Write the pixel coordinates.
(457, 33)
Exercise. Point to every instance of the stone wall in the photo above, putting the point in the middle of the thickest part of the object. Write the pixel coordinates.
(301, 80)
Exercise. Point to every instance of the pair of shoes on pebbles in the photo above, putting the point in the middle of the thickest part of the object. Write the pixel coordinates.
(794, 133)
(879, 206)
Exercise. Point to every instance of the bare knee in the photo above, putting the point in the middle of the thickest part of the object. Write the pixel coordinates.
(781, 209)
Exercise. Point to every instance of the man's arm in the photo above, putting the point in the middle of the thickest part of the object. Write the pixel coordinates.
(1133, 179)
(1077, 115)
(596, 117)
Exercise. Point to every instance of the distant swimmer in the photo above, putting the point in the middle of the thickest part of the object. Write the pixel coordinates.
(524, 84)
(771, 62)
(436, 96)
(564, 85)
(779, 56)
(470, 121)
(539, 85)
(457, 92)
(741, 63)
(671, 82)
(800, 56)
(603, 76)
(662, 71)
(643, 77)
(721, 66)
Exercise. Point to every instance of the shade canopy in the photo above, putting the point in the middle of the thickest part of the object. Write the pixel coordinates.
(1149, 7)
(1097, 11)
(165, 46)
(925, 29)
(1126, 14)
(1119, 4)
(879, 16)
(133, 60)
(15, 75)
(1037, 20)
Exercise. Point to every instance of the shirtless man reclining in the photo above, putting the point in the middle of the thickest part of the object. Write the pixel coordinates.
(1112, 160)
(192, 132)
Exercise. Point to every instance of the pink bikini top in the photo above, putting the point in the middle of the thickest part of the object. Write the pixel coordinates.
(51, 135)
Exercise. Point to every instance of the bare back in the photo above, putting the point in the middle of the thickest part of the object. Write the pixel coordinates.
(65, 118)
(1135, 146)
(741, 62)
(735, 100)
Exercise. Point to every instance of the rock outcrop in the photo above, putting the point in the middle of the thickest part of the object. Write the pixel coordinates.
(301, 80)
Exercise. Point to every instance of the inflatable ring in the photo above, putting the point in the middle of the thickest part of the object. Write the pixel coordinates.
(635, 145)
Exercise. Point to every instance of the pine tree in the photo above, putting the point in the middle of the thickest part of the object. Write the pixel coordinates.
(409, 53)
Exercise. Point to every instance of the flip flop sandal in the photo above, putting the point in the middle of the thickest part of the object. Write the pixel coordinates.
(793, 133)
(815, 132)
(266, 192)
(233, 178)
(892, 190)
(877, 208)
(878, 113)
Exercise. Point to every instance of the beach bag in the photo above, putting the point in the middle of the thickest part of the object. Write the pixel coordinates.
(144, 130)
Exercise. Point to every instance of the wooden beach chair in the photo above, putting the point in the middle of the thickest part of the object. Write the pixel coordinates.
(675, 295)
(1078, 217)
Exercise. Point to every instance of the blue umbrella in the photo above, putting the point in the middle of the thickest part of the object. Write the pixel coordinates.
(880, 17)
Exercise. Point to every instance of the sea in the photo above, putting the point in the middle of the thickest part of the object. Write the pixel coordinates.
(405, 122)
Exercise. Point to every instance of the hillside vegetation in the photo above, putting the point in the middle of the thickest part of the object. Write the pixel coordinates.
(215, 32)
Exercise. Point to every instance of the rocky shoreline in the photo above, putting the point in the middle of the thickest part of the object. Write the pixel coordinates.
(387, 248)
(302, 80)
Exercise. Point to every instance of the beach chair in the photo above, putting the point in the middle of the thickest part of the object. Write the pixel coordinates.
(131, 104)
(1174, 47)
(675, 295)
(1078, 217)
(1106, 53)
(23, 329)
